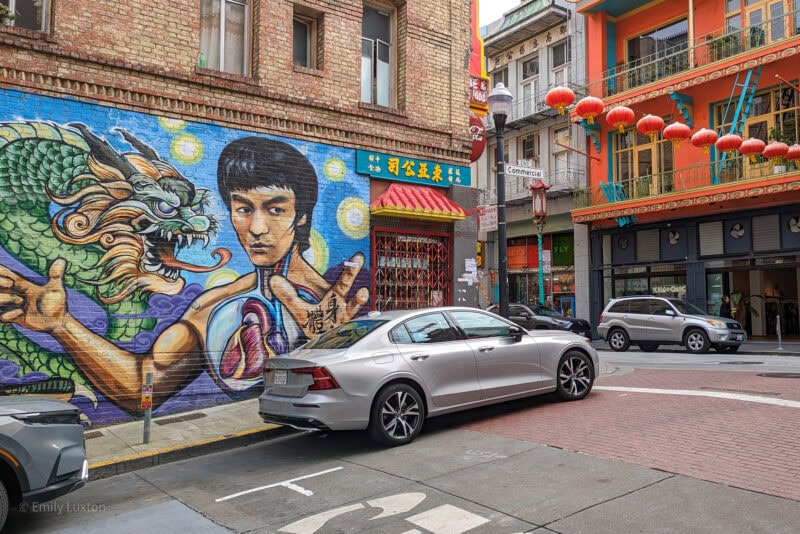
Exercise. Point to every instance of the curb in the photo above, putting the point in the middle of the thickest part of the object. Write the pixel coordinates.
(193, 449)
(775, 352)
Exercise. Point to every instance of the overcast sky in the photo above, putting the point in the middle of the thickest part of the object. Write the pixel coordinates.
(491, 10)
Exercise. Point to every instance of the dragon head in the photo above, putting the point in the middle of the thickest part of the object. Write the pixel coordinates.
(142, 212)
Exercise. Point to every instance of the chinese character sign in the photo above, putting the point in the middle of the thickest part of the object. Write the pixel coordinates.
(413, 170)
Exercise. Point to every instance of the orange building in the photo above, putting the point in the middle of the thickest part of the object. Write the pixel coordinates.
(674, 217)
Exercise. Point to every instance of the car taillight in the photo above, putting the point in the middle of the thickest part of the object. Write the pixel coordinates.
(601, 317)
(322, 378)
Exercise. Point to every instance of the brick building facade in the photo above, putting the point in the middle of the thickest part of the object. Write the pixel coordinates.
(185, 191)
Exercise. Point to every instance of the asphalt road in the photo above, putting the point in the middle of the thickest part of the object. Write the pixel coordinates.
(650, 450)
(758, 362)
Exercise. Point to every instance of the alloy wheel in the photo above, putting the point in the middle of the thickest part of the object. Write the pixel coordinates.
(400, 415)
(575, 376)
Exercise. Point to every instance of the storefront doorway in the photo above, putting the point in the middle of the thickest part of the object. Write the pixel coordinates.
(412, 270)
(760, 297)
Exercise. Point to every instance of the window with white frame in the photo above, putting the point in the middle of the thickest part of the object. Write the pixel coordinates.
(304, 39)
(561, 140)
(561, 55)
(28, 14)
(529, 149)
(377, 64)
(529, 74)
(225, 36)
(500, 76)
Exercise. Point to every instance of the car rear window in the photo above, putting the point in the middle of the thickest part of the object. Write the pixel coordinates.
(619, 307)
(344, 336)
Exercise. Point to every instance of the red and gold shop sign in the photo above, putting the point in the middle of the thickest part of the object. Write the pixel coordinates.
(478, 81)
(478, 132)
(517, 257)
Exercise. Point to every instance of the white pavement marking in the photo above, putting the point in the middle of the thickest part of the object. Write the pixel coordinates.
(286, 483)
(396, 504)
(714, 394)
(447, 519)
(309, 525)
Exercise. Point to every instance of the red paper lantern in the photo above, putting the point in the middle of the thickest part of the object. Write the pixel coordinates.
(559, 98)
(677, 132)
(794, 153)
(620, 117)
(704, 138)
(650, 125)
(752, 147)
(776, 151)
(589, 107)
(729, 143)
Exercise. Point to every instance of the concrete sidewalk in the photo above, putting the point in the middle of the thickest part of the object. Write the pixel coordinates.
(119, 448)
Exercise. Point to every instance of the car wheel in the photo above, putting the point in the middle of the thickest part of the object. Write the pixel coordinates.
(618, 340)
(397, 415)
(728, 349)
(3, 504)
(696, 341)
(648, 347)
(575, 376)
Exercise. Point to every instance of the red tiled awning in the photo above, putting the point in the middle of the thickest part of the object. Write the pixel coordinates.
(416, 202)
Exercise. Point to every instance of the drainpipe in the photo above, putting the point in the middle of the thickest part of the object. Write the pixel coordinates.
(691, 34)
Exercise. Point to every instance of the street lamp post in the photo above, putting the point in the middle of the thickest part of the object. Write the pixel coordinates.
(500, 108)
(539, 196)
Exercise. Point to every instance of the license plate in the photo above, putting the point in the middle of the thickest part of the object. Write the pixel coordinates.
(279, 377)
(739, 337)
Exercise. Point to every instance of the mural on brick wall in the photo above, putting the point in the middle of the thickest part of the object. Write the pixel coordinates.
(131, 243)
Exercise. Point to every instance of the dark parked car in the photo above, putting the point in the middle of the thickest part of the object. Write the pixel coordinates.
(42, 454)
(537, 317)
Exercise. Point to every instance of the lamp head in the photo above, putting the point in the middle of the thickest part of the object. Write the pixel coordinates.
(500, 102)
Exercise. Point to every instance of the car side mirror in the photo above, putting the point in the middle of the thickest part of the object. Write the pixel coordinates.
(516, 333)
(669, 312)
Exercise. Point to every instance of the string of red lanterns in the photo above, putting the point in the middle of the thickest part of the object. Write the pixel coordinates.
(620, 117)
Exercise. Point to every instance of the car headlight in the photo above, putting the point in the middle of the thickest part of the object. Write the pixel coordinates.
(562, 324)
(715, 323)
(49, 418)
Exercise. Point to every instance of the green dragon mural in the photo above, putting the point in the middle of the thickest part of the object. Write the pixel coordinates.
(120, 218)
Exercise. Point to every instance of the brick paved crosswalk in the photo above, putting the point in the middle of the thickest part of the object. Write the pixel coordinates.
(749, 445)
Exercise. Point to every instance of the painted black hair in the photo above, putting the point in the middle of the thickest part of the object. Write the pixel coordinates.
(253, 162)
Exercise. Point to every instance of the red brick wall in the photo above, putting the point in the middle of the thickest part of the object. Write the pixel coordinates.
(120, 51)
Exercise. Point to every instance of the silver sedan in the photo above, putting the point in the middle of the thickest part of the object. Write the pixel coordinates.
(387, 372)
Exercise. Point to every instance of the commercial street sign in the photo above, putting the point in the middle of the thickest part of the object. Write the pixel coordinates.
(524, 172)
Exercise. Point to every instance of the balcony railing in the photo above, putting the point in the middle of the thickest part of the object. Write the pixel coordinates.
(737, 169)
(706, 49)
(531, 108)
(520, 188)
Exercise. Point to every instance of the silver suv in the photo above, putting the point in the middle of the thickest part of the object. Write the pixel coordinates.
(652, 321)
(42, 454)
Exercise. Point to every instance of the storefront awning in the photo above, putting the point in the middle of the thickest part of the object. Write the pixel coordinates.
(416, 202)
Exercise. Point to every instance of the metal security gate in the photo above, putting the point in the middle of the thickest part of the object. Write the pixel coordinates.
(412, 270)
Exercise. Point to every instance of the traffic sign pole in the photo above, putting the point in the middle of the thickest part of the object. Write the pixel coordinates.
(147, 404)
